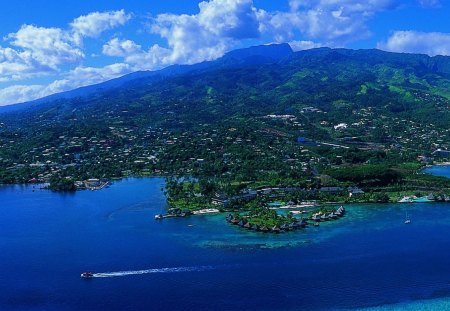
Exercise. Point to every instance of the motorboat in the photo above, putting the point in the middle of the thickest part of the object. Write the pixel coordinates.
(407, 219)
(87, 275)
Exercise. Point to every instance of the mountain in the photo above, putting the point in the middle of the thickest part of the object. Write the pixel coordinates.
(262, 114)
(260, 80)
(252, 55)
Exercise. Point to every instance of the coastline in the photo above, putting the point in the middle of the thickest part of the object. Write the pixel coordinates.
(438, 164)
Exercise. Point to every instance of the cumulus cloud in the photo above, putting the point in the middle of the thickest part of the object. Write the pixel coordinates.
(78, 77)
(136, 56)
(121, 48)
(208, 34)
(431, 43)
(304, 45)
(14, 65)
(82, 76)
(333, 21)
(93, 24)
(36, 51)
(19, 93)
(48, 46)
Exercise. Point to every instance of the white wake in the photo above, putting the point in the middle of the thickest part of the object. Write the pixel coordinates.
(148, 271)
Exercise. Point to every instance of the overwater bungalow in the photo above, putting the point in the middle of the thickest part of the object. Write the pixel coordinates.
(284, 227)
(315, 218)
(247, 225)
(255, 227)
(229, 217)
(242, 223)
(234, 220)
(276, 229)
(303, 223)
(264, 229)
(340, 211)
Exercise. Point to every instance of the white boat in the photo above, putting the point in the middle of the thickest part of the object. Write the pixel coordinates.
(407, 219)
(87, 275)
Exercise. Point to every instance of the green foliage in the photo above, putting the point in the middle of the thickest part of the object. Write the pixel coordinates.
(212, 124)
(367, 175)
(62, 184)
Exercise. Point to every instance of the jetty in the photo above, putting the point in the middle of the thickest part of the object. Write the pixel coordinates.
(174, 212)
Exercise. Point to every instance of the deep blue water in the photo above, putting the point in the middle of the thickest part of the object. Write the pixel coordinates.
(368, 259)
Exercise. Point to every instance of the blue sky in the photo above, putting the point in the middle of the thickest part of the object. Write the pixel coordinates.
(50, 46)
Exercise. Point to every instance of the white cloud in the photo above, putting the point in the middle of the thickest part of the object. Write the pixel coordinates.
(235, 19)
(37, 51)
(208, 34)
(19, 93)
(83, 76)
(134, 54)
(78, 77)
(334, 21)
(304, 45)
(431, 43)
(48, 46)
(121, 48)
(14, 65)
(93, 24)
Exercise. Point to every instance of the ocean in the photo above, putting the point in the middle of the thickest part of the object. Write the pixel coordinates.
(369, 259)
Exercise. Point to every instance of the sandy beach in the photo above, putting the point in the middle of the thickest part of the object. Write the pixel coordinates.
(206, 211)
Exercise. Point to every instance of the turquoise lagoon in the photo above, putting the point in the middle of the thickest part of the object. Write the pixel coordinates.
(367, 260)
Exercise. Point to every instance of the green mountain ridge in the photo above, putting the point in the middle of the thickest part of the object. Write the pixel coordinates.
(241, 117)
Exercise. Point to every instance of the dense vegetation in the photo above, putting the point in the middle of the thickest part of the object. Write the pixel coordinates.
(310, 119)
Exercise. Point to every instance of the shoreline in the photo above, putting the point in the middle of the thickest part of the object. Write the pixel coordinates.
(438, 164)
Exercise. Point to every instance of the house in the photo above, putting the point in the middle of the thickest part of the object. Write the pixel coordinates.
(220, 199)
(354, 191)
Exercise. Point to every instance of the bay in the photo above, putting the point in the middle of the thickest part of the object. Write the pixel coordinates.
(368, 259)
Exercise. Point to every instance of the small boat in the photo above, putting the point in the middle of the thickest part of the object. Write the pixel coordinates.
(87, 275)
(407, 219)
(159, 217)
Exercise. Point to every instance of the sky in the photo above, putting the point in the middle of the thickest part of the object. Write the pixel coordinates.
(51, 46)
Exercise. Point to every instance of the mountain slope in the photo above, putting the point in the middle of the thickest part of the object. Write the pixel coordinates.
(264, 112)
(236, 58)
